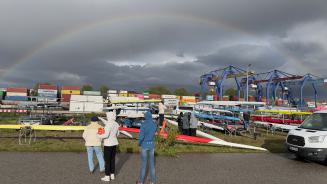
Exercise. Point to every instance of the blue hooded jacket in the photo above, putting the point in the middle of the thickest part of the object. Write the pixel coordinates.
(147, 132)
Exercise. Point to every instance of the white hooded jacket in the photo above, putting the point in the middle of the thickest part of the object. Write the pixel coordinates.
(111, 131)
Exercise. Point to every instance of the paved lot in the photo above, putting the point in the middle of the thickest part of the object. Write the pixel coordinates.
(53, 168)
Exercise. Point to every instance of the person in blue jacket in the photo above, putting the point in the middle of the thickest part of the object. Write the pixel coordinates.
(146, 142)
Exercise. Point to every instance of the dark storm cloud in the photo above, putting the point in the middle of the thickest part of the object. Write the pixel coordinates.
(134, 45)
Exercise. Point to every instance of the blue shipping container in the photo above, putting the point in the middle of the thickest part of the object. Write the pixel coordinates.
(16, 98)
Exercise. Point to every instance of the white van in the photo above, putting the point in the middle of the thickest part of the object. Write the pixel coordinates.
(309, 140)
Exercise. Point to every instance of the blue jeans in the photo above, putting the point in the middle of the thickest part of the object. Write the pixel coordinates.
(99, 154)
(147, 154)
(246, 125)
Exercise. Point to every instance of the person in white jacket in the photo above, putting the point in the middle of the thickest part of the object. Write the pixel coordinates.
(162, 109)
(110, 142)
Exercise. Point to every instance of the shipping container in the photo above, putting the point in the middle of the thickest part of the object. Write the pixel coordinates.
(48, 87)
(93, 107)
(188, 97)
(171, 101)
(48, 95)
(168, 96)
(65, 97)
(95, 99)
(112, 92)
(112, 95)
(16, 98)
(85, 107)
(2, 94)
(123, 92)
(131, 95)
(71, 92)
(76, 106)
(47, 91)
(210, 97)
(140, 96)
(78, 98)
(92, 93)
(46, 99)
(17, 90)
(155, 96)
(71, 88)
(15, 94)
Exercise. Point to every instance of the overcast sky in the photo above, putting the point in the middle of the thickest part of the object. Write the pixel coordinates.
(136, 44)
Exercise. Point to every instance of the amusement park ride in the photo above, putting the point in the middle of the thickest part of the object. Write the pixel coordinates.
(268, 83)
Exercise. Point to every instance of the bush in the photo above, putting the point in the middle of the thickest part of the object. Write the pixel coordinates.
(167, 146)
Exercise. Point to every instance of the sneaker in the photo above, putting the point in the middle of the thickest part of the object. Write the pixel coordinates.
(106, 178)
(112, 176)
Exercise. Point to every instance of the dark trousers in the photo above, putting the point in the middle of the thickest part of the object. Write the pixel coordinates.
(192, 132)
(110, 159)
(186, 131)
(161, 119)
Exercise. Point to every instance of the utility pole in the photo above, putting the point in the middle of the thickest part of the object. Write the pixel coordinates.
(247, 82)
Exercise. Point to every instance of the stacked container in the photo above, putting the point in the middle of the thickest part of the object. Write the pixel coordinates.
(2, 93)
(47, 93)
(123, 93)
(16, 94)
(86, 103)
(67, 91)
(155, 96)
(146, 94)
(92, 93)
(112, 93)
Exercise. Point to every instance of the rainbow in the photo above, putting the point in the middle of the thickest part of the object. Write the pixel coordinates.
(69, 33)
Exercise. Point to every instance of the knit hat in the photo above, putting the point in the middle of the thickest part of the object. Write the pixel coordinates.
(94, 118)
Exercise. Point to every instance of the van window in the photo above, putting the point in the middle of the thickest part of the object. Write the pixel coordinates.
(316, 121)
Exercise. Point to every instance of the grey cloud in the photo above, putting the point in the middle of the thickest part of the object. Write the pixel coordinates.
(167, 42)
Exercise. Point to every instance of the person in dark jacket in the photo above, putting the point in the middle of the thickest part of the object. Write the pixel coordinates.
(146, 142)
(180, 122)
(186, 123)
(246, 118)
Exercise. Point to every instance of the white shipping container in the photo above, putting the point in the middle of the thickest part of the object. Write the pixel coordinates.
(171, 102)
(46, 99)
(76, 107)
(96, 99)
(112, 95)
(47, 91)
(93, 107)
(123, 91)
(112, 92)
(78, 98)
(168, 96)
(16, 94)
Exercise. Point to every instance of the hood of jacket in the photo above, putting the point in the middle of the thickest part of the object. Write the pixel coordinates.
(148, 117)
(111, 116)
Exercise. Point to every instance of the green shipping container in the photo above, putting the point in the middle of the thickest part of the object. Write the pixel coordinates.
(2, 94)
(92, 93)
